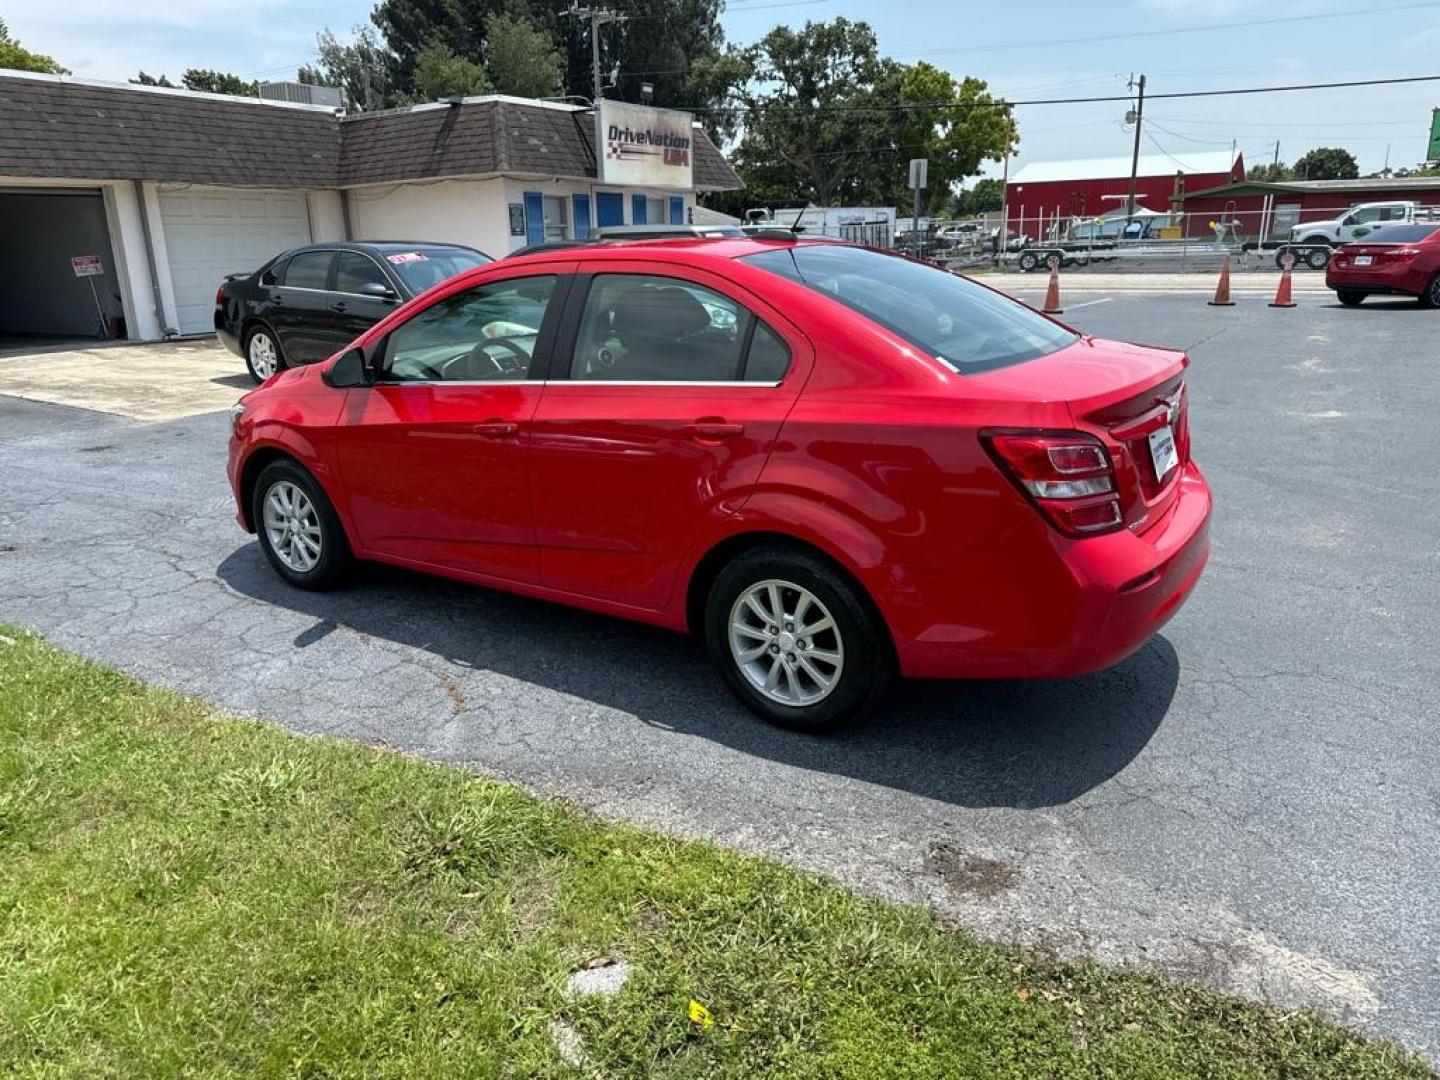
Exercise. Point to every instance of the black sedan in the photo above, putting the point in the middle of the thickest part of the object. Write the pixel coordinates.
(306, 304)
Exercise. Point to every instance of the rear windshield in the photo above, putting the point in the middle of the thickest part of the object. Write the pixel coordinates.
(964, 325)
(422, 267)
(1401, 234)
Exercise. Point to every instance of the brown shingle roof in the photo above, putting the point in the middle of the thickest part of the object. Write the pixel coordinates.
(51, 128)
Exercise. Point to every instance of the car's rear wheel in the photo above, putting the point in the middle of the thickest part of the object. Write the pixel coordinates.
(263, 357)
(1349, 297)
(797, 640)
(298, 528)
(1430, 298)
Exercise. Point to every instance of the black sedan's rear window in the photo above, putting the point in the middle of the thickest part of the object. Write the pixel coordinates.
(1402, 234)
(965, 326)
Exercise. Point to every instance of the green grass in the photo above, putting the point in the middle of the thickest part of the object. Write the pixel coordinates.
(182, 893)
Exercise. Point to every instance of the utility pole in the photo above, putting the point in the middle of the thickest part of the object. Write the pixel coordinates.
(598, 17)
(1135, 154)
(1005, 182)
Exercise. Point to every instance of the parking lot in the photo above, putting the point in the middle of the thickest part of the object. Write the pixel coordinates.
(1251, 800)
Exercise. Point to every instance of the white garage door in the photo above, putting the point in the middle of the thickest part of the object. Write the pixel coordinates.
(211, 232)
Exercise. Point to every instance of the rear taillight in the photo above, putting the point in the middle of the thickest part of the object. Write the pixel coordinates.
(1408, 253)
(220, 297)
(1067, 475)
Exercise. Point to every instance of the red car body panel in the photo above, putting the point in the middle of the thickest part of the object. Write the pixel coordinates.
(609, 496)
(1392, 270)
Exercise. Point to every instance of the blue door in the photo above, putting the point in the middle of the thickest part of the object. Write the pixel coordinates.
(534, 217)
(582, 216)
(637, 210)
(677, 210)
(609, 208)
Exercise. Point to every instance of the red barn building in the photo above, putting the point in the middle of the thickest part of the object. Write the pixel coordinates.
(1270, 211)
(1042, 191)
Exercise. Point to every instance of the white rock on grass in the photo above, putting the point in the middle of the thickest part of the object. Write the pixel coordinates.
(604, 980)
(567, 1042)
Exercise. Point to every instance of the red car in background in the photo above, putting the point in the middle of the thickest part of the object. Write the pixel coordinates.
(1406, 264)
(836, 464)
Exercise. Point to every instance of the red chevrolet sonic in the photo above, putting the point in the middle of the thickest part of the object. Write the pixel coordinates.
(835, 463)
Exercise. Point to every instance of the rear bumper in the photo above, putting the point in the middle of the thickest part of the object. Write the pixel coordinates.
(228, 338)
(1401, 280)
(1105, 599)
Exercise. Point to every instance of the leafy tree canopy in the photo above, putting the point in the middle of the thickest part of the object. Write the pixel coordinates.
(1270, 173)
(984, 195)
(1327, 163)
(521, 58)
(16, 57)
(363, 69)
(440, 72)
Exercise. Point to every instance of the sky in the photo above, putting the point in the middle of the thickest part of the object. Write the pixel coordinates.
(1023, 49)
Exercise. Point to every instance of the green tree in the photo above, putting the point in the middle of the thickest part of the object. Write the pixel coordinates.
(439, 73)
(1327, 163)
(363, 69)
(218, 82)
(827, 119)
(1270, 173)
(984, 195)
(521, 58)
(15, 57)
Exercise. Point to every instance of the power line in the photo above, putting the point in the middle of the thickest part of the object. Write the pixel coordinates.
(1097, 99)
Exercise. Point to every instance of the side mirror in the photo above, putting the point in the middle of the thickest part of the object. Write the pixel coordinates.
(377, 290)
(348, 371)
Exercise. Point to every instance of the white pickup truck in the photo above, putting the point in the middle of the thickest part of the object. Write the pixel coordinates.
(1368, 220)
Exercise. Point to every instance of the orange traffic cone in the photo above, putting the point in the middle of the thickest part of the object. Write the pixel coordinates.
(1222, 290)
(1282, 293)
(1052, 294)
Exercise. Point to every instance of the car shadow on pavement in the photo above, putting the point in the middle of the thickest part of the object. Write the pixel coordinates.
(975, 744)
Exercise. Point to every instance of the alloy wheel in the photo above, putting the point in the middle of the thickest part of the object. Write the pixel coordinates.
(262, 355)
(786, 643)
(292, 525)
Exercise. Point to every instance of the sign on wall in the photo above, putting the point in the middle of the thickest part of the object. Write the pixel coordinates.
(87, 266)
(517, 219)
(644, 146)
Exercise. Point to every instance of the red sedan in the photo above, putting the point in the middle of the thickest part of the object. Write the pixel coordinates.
(1406, 264)
(836, 464)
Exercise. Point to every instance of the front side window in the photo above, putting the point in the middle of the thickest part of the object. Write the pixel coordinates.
(485, 334)
(642, 328)
(309, 270)
(965, 326)
(354, 271)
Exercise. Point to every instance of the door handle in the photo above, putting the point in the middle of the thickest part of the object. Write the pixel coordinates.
(496, 429)
(339, 305)
(277, 298)
(714, 430)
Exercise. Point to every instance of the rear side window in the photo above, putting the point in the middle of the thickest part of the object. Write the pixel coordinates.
(353, 271)
(965, 326)
(309, 270)
(642, 328)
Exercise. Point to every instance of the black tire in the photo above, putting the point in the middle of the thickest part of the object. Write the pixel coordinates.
(1430, 298)
(859, 637)
(334, 559)
(1027, 261)
(1349, 297)
(1317, 258)
(250, 365)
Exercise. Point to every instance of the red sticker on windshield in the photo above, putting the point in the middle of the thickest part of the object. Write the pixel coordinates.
(406, 257)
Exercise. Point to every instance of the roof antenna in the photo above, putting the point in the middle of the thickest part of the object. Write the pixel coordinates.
(795, 225)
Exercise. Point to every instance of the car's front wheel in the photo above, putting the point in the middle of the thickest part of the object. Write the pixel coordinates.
(1430, 298)
(797, 640)
(263, 357)
(298, 528)
(1349, 297)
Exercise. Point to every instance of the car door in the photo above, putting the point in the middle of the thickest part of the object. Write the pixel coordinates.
(668, 391)
(435, 452)
(300, 307)
(357, 310)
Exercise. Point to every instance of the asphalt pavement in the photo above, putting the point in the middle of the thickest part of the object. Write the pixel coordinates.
(1252, 800)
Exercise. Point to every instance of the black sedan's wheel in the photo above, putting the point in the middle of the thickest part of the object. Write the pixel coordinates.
(1430, 298)
(796, 640)
(298, 528)
(1349, 297)
(263, 357)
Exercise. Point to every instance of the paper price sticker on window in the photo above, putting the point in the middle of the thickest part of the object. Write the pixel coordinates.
(402, 257)
(87, 265)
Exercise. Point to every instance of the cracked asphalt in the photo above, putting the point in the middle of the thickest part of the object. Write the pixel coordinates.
(1253, 800)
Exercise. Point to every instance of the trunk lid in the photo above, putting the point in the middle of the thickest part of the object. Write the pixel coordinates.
(1123, 394)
